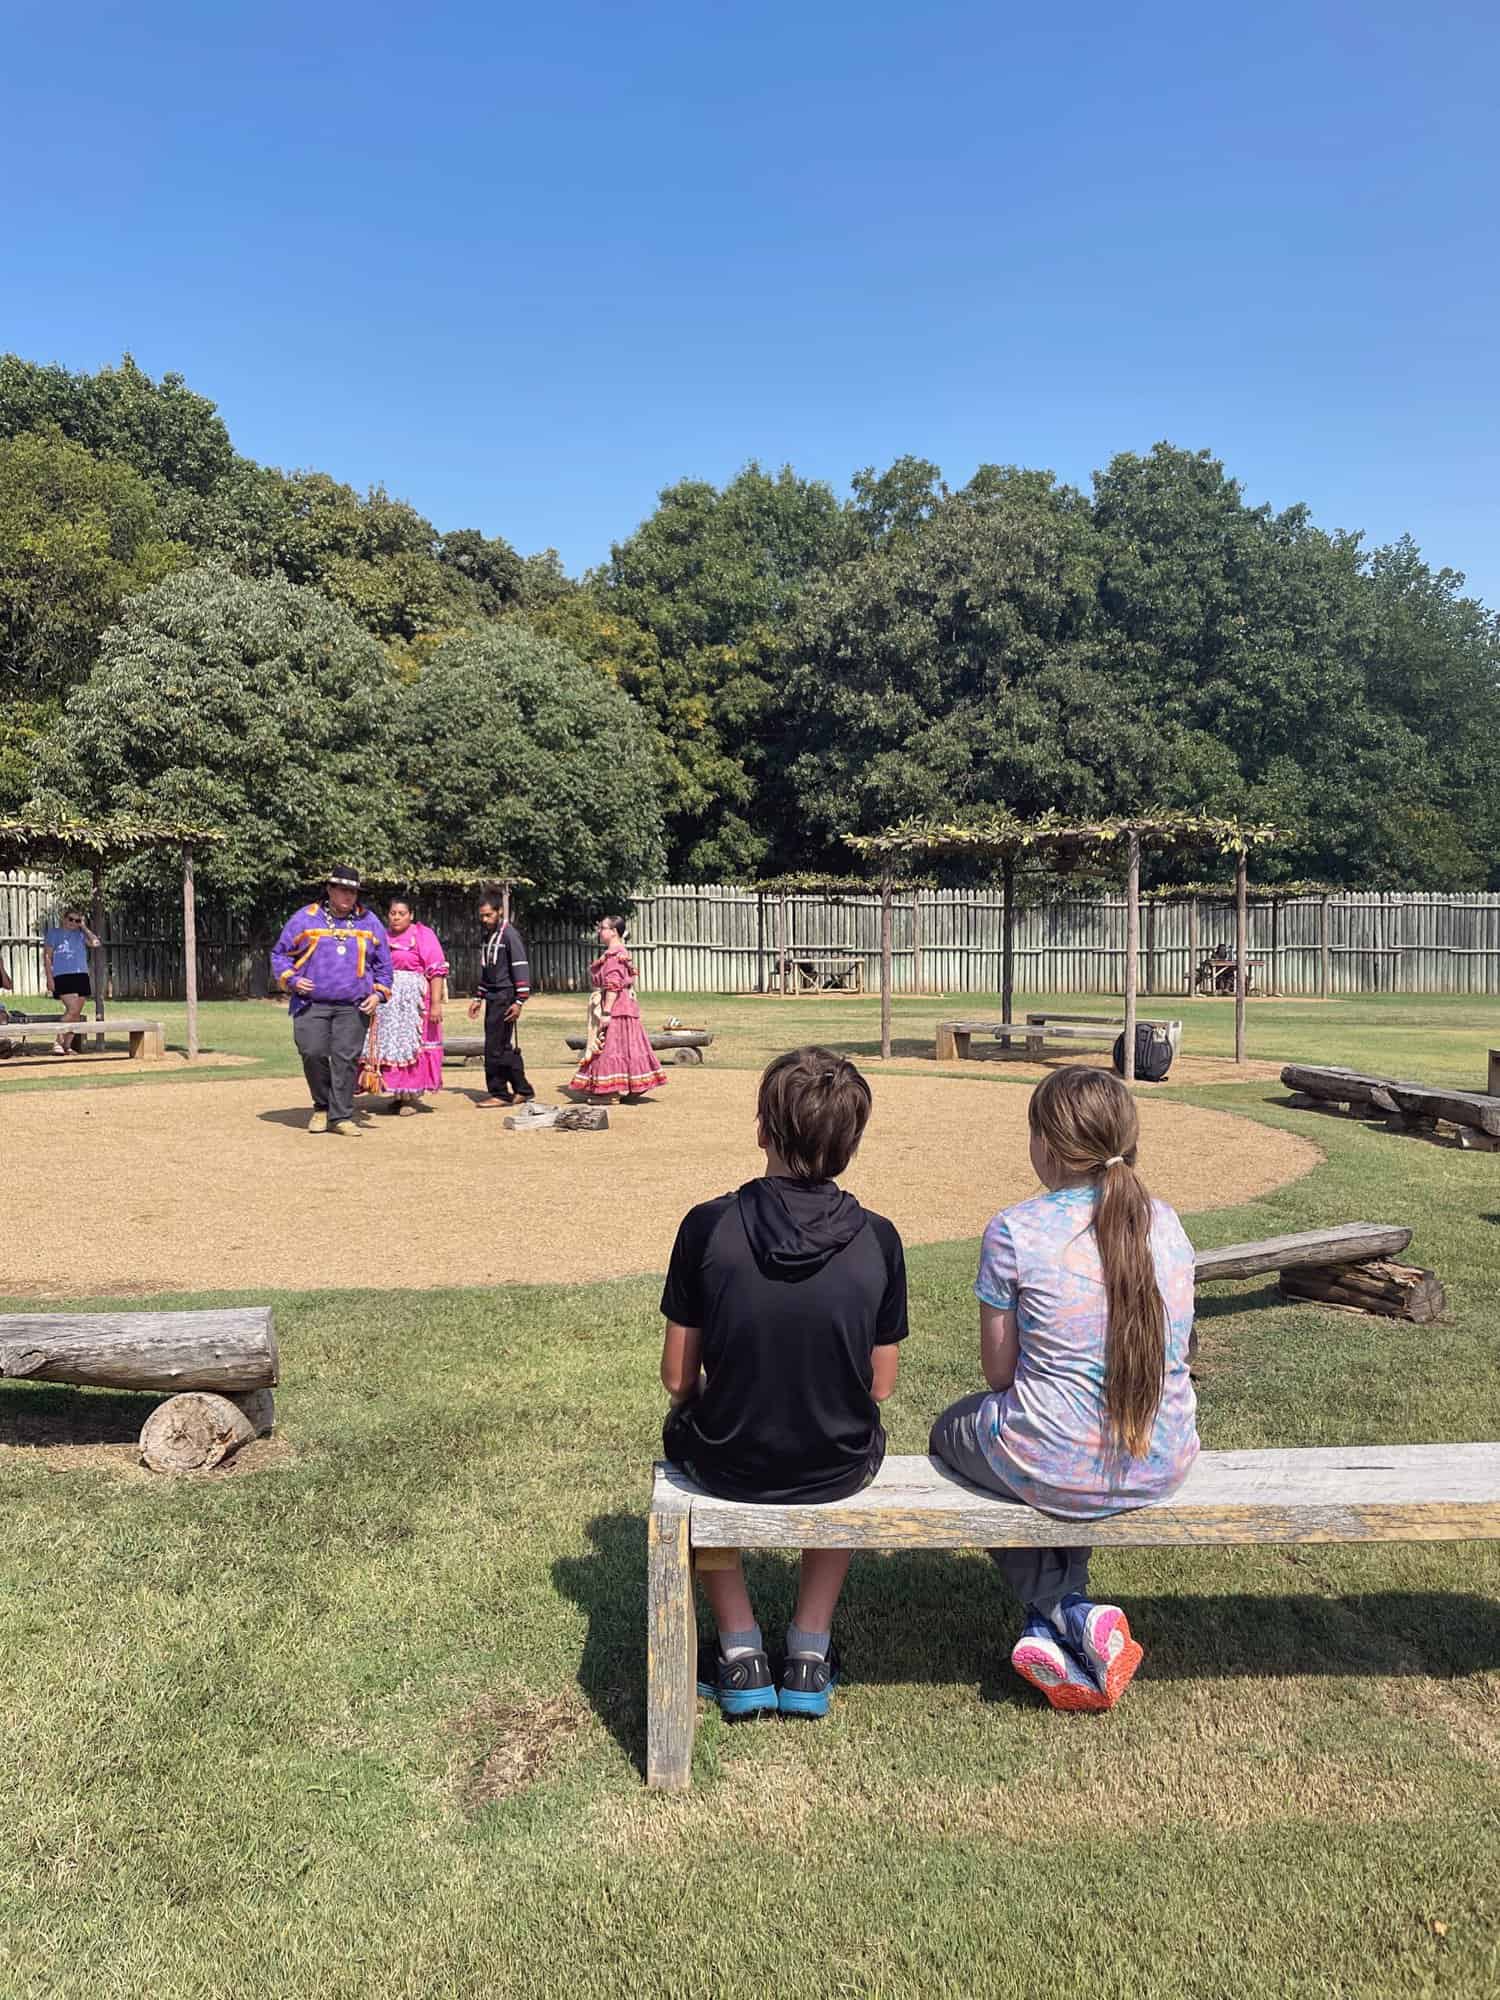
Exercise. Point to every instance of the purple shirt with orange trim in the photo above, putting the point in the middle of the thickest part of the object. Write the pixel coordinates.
(346, 958)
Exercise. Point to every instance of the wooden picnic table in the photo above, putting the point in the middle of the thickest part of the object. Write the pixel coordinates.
(822, 969)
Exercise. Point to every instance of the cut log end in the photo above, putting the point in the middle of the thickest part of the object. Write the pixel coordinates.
(1396, 1291)
(196, 1431)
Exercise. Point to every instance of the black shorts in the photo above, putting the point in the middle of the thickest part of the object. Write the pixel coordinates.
(72, 982)
(677, 1442)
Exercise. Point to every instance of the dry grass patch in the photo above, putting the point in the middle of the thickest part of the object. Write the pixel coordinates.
(503, 1743)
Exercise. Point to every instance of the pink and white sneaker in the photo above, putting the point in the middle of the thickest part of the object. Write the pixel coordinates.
(1100, 1636)
(1042, 1657)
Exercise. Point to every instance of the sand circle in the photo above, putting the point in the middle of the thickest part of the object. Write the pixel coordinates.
(218, 1186)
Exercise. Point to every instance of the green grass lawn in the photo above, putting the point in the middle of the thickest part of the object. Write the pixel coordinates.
(369, 1721)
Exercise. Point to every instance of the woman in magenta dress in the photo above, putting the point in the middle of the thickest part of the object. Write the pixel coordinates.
(410, 1025)
(618, 1060)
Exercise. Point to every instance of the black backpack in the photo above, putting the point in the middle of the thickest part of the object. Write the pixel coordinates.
(1153, 1054)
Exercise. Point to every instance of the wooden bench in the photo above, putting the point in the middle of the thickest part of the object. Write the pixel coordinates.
(217, 1368)
(1362, 1493)
(1351, 1265)
(688, 1042)
(1114, 1022)
(148, 1042)
(1407, 1107)
(954, 1037)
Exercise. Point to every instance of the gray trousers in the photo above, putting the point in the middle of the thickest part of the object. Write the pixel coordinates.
(1041, 1578)
(330, 1040)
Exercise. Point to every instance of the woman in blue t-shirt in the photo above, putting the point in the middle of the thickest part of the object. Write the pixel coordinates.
(66, 949)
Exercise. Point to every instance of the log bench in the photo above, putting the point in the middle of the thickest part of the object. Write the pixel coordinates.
(148, 1042)
(1406, 1106)
(1351, 1265)
(1363, 1493)
(218, 1369)
(954, 1037)
(688, 1042)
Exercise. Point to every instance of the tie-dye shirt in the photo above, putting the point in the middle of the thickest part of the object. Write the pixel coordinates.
(1045, 1434)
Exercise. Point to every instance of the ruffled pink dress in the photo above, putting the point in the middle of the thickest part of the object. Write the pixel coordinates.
(626, 1066)
(410, 1038)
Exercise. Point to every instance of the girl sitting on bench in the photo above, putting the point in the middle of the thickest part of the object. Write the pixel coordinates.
(1086, 1305)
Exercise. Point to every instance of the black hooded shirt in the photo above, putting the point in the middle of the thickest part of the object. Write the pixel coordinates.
(793, 1285)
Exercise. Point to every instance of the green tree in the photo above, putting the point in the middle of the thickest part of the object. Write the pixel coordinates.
(256, 707)
(512, 752)
(168, 434)
(962, 662)
(714, 577)
(78, 535)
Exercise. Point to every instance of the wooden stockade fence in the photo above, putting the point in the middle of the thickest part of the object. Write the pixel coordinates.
(690, 939)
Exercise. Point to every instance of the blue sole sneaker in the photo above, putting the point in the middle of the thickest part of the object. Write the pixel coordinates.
(807, 1685)
(741, 1686)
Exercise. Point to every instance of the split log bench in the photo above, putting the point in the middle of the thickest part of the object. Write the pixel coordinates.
(218, 1369)
(1407, 1107)
(688, 1042)
(954, 1037)
(1351, 1265)
(148, 1042)
(1364, 1493)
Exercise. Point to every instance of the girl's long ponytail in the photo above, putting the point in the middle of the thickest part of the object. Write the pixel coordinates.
(1089, 1124)
(1135, 1350)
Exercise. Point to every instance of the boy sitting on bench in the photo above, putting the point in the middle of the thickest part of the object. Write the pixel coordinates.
(784, 1302)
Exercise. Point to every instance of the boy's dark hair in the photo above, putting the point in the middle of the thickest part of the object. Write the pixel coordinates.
(813, 1108)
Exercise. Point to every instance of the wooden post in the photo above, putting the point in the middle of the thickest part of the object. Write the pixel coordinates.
(671, 1642)
(886, 954)
(1007, 937)
(783, 944)
(1151, 947)
(96, 956)
(505, 901)
(1192, 973)
(1492, 1087)
(1325, 951)
(1276, 946)
(190, 950)
(1241, 947)
(1132, 945)
(919, 984)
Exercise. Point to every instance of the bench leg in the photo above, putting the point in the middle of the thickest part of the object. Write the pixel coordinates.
(671, 1646)
(945, 1048)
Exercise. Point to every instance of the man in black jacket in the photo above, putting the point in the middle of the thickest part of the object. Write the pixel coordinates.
(504, 989)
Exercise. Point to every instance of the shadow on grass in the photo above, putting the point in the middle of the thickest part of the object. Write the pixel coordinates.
(933, 1617)
(48, 1413)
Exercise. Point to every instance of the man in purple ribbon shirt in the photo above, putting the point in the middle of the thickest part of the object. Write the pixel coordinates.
(334, 961)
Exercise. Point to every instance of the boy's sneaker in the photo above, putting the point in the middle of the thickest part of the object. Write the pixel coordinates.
(807, 1684)
(318, 1122)
(1100, 1635)
(741, 1686)
(1041, 1657)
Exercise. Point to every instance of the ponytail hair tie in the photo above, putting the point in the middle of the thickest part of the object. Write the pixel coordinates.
(1115, 1160)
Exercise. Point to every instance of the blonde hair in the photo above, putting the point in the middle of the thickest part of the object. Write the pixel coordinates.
(1087, 1120)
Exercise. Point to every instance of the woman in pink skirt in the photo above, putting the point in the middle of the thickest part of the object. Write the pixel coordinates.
(618, 1060)
(410, 1025)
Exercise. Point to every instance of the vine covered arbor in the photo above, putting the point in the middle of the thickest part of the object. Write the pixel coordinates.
(988, 847)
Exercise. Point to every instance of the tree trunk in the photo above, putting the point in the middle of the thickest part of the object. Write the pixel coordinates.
(1132, 946)
(886, 955)
(197, 1431)
(1325, 951)
(190, 950)
(1398, 1291)
(1241, 949)
(228, 1350)
(1192, 974)
(1007, 938)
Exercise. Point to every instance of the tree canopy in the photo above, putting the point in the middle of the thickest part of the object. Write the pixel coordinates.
(782, 666)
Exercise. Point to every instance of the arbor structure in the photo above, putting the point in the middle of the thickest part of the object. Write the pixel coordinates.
(992, 844)
(94, 844)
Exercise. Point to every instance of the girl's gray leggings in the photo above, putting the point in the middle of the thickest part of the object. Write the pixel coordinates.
(1041, 1578)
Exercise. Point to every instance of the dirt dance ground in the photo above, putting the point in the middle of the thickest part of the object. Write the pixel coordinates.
(219, 1185)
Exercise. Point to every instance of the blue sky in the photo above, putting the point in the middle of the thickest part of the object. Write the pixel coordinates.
(525, 267)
